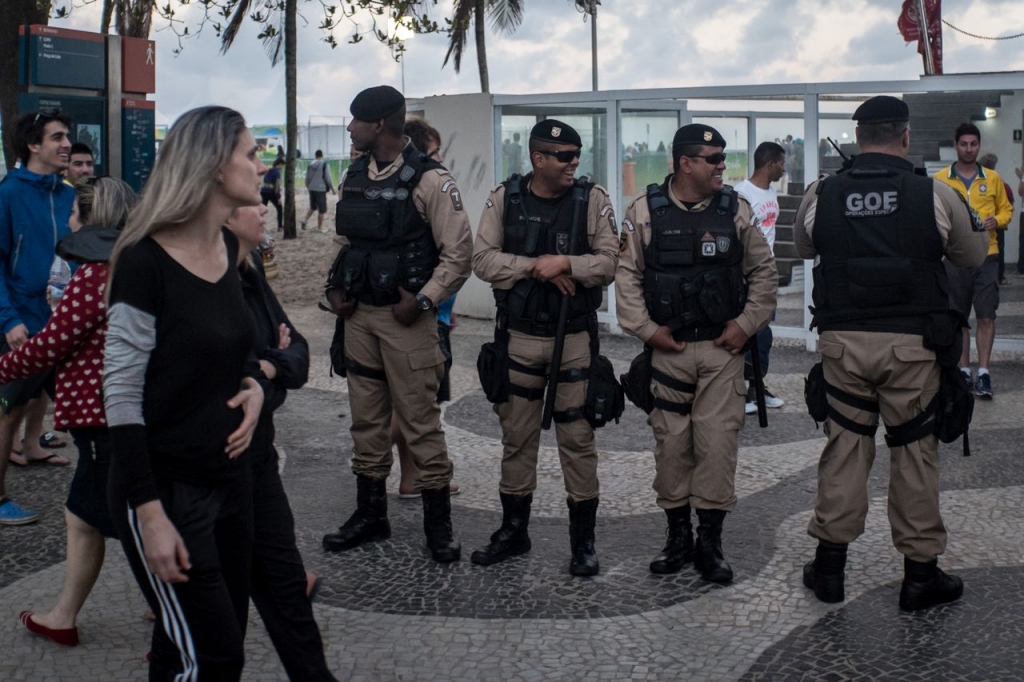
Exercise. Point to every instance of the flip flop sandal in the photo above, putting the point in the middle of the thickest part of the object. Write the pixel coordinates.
(49, 460)
(51, 441)
(16, 463)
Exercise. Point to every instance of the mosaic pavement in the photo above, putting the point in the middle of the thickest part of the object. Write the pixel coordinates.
(388, 612)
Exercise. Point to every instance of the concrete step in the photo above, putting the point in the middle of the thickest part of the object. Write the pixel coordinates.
(784, 233)
(785, 267)
(786, 216)
(789, 201)
(785, 250)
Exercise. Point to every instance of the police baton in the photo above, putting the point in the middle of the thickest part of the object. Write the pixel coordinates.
(579, 197)
(755, 363)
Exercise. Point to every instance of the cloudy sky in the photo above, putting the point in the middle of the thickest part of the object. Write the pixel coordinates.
(641, 43)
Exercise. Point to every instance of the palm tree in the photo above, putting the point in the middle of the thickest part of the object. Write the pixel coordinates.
(505, 15)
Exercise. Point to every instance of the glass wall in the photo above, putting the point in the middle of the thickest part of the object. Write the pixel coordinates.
(645, 149)
(590, 122)
(627, 154)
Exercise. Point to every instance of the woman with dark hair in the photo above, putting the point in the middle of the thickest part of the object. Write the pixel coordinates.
(280, 583)
(72, 342)
(181, 398)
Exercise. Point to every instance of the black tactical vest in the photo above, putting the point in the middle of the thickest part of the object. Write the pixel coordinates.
(532, 306)
(693, 267)
(880, 250)
(390, 244)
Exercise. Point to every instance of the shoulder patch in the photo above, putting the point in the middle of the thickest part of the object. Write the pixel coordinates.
(489, 203)
(623, 242)
(447, 185)
(628, 224)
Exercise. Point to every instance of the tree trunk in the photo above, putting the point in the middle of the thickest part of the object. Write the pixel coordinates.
(480, 32)
(291, 115)
(14, 13)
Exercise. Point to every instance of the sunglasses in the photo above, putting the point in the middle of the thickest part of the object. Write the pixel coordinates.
(713, 159)
(46, 113)
(565, 156)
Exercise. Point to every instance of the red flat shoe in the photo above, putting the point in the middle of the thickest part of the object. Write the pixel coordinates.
(66, 637)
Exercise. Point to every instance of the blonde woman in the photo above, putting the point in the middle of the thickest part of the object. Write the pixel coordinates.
(181, 401)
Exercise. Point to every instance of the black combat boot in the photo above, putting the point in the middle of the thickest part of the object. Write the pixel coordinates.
(679, 549)
(437, 524)
(511, 539)
(824, 575)
(707, 556)
(368, 523)
(582, 518)
(925, 584)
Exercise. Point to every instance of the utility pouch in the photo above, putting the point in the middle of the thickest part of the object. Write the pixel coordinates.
(337, 350)
(942, 334)
(636, 383)
(492, 368)
(605, 399)
(382, 272)
(955, 407)
(362, 219)
(814, 394)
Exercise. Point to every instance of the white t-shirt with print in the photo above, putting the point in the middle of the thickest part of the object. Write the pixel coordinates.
(765, 204)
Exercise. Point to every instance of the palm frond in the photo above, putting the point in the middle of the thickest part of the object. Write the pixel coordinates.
(458, 34)
(506, 15)
(241, 11)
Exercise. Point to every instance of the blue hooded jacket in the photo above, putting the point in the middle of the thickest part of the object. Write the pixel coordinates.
(34, 213)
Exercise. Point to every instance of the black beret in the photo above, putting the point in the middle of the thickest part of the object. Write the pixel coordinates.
(698, 133)
(553, 130)
(373, 104)
(882, 109)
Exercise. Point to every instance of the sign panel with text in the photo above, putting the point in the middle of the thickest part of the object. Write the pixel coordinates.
(138, 141)
(62, 57)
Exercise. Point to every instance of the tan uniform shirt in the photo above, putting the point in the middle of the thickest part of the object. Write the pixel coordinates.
(503, 270)
(758, 267)
(438, 200)
(961, 243)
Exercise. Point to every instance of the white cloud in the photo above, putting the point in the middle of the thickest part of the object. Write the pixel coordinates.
(642, 44)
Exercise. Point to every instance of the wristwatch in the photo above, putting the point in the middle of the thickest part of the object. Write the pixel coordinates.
(423, 302)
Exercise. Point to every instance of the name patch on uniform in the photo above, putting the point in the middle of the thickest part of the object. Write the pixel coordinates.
(872, 204)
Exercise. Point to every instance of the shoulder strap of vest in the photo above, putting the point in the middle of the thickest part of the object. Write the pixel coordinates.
(415, 164)
(360, 165)
(728, 201)
(657, 201)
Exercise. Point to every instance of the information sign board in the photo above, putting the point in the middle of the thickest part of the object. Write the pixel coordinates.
(138, 141)
(62, 57)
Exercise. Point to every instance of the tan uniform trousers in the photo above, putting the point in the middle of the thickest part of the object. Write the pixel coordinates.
(695, 454)
(521, 419)
(903, 376)
(410, 358)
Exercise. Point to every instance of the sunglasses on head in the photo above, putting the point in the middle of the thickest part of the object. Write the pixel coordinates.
(564, 156)
(46, 113)
(713, 159)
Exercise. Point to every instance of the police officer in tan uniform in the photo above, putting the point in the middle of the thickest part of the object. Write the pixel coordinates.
(523, 249)
(880, 233)
(695, 281)
(407, 245)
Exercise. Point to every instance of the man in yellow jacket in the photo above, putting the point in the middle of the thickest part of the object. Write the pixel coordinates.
(983, 191)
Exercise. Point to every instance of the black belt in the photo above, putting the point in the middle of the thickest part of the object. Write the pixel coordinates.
(533, 328)
(691, 334)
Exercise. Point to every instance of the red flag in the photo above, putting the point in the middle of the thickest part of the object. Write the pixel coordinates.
(910, 28)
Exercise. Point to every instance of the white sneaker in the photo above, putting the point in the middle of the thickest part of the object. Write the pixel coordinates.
(771, 401)
(751, 408)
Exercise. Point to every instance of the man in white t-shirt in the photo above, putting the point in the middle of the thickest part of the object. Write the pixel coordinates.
(769, 166)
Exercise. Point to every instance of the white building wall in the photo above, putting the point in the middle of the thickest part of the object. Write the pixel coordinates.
(466, 124)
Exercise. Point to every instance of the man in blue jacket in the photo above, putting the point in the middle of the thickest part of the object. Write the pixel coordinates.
(35, 205)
